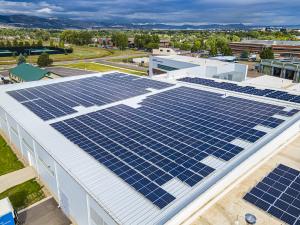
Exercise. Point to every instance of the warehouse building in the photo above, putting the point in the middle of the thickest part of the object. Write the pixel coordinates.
(285, 49)
(121, 149)
(187, 66)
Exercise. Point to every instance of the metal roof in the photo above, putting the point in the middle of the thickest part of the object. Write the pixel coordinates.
(28, 72)
(120, 200)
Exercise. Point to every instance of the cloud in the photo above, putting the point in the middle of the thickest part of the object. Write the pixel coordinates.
(164, 11)
(28, 8)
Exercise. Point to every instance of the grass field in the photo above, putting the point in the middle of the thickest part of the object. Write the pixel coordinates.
(80, 52)
(24, 195)
(103, 68)
(8, 160)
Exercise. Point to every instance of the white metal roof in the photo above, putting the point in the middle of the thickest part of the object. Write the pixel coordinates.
(194, 60)
(120, 200)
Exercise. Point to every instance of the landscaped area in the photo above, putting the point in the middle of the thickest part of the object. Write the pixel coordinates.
(24, 195)
(79, 52)
(103, 68)
(8, 160)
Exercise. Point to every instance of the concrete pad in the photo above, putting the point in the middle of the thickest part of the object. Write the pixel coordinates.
(14, 178)
(46, 212)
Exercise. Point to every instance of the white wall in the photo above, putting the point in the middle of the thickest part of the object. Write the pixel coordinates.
(71, 196)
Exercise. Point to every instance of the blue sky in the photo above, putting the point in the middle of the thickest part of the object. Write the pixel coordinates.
(164, 11)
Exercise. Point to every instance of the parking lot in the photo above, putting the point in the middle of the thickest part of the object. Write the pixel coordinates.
(44, 213)
(67, 72)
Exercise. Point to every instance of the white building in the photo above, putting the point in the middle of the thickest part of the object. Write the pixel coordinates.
(87, 190)
(169, 51)
(182, 66)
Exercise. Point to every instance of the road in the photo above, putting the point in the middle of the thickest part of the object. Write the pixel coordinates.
(103, 60)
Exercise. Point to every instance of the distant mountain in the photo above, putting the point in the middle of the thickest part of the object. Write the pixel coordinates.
(40, 22)
(64, 23)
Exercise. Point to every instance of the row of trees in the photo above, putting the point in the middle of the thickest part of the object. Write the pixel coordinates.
(16, 43)
(76, 37)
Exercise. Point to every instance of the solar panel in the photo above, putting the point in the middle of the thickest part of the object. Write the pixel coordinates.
(56, 100)
(168, 136)
(281, 95)
(279, 194)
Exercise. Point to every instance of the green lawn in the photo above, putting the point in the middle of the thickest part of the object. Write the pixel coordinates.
(8, 160)
(80, 52)
(24, 195)
(103, 68)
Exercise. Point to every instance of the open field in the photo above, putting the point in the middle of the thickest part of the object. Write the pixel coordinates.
(24, 195)
(79, 53)
(102, 68)
(8, 160)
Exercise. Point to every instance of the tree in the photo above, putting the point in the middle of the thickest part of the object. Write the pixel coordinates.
(51, 43)
(226, 50)
(152, 45)
(142, 40)
(213, 51)
(61, 44)
(235, 38)
(120, 40)
(44, 60)
(21, 59)
(267, 53)
(197, 46)
(27, 44)
(8, 44)
(40, 43)
(15, 43)
(186, 46)
(245, 54)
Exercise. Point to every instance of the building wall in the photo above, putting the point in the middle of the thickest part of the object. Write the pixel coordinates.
(74, 200)
(227, 71)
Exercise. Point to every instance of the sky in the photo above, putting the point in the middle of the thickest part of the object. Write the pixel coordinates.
(255, 12)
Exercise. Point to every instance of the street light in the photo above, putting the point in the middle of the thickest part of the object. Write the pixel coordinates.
(250, 219)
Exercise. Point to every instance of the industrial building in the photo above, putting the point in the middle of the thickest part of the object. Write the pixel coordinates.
(114, 148)
(287, 69)
(187, 66)
(281, 49)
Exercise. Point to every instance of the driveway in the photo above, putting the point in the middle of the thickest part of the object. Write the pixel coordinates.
(44, 213)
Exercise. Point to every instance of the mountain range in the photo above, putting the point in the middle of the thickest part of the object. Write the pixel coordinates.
(65, 23)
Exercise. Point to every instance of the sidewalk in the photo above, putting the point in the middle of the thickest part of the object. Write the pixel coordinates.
(14, 178)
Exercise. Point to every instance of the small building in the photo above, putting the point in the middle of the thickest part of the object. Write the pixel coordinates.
(164, 43)
(170, 51)
(27, 72)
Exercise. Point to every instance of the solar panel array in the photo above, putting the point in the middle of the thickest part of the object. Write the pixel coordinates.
(279, 194)
(59, 99)
(168, 136)
(281, 95)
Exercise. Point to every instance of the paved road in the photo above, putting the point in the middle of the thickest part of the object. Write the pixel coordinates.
(44, 213)
(122, 65)
(18, 177)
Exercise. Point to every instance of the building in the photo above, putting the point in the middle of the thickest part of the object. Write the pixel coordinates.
(27, 72)
(185, 65)
(164, 43)
(287, 69)
(280, 48)
(121, 149)
(169, 51)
